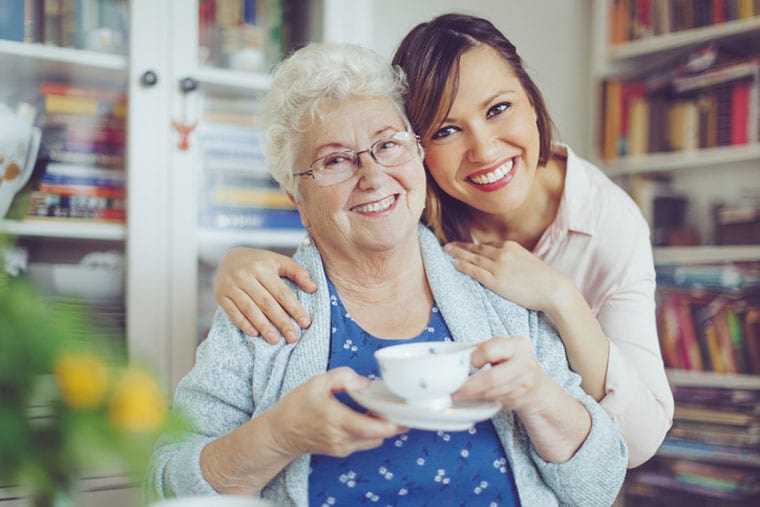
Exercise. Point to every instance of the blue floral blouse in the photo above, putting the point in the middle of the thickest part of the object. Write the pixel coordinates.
(416, 468)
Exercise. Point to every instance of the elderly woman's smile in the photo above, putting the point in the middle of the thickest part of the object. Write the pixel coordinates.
(364, 142)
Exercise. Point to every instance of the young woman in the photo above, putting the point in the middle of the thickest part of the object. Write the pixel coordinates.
(522, 215)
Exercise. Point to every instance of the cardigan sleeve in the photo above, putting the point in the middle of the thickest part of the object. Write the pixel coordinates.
(595, 474)
(215, 396)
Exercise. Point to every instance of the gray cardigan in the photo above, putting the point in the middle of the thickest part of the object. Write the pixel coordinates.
(236, 378)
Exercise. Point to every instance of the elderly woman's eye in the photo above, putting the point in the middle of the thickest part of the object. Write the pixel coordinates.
(387, 145)
(336, 161)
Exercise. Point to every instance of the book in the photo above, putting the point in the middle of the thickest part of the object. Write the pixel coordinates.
(251, 218)
(83, 190)
(752, 338)
(86, 92)
(12, 17)
(86, 158)
(261, 197)
(45, 199)
(67, 104)
(717, 75)
(54, 211)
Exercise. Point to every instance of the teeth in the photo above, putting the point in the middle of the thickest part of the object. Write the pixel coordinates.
(494, 175)
(376, 206)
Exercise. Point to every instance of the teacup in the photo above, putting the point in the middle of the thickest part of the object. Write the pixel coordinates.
(19, 142)
(425, 373)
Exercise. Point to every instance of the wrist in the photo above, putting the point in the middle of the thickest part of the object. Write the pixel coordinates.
(565, 301)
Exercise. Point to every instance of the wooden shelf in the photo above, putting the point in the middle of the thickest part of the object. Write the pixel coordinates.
(64, 228)
(670, 162)
(712, 379)
(685, 38)
(708, 254)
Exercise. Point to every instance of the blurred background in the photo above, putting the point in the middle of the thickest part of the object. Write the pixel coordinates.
(140, 165)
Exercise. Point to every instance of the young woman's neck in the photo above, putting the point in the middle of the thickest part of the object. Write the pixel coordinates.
(528, 223)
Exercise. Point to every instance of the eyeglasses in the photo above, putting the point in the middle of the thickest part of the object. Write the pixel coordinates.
(340, 166)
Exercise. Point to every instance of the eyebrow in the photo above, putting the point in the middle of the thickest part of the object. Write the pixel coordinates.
(378, 132)
(484, 103)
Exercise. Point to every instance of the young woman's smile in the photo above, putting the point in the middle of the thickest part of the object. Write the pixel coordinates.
(486, 150)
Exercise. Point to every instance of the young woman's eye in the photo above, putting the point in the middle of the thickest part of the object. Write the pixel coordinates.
(498, 109)
(443, 133)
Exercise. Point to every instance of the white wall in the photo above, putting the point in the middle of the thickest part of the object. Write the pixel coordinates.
(551, 36)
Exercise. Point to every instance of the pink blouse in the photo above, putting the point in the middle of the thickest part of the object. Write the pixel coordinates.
(600, 239)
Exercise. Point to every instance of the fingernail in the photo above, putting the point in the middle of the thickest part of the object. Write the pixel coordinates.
(272, 338)
(447, 247)
(250, 331)
(291, 336)
(304, 321)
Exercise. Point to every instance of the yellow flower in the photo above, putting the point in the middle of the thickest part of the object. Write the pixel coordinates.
(138, 405)
(82, 379)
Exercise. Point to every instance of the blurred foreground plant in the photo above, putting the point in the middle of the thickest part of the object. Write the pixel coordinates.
(97, 409)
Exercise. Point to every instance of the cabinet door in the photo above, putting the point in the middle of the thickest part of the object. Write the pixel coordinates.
(222, 194)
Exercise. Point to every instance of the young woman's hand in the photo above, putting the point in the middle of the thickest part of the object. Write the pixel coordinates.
(513, 272)
(248, 287)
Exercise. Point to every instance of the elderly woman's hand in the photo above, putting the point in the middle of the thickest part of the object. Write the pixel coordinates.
(515, 378)
(248, 287)
(311, 420)
(308, 420)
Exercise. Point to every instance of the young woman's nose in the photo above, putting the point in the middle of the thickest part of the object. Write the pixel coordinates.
(481, 145)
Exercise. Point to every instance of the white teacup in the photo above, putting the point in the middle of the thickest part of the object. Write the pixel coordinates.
(425, 373)
(19, 142)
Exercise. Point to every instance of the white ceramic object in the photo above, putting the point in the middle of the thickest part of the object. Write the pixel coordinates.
(213, 501)
(19, 143)
(98, 276)
(425, 373)
(460, 416)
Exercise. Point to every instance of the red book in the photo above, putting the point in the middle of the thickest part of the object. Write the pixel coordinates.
(719, 11)
(84, 190)
(740, 112)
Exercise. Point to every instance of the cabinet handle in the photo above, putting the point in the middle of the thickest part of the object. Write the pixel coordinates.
(188, 85)
(149, 78)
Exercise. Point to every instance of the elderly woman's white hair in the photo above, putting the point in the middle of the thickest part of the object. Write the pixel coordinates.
(313, 73)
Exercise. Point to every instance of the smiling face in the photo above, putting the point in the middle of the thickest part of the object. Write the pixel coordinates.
(376, 209)
(485, 152)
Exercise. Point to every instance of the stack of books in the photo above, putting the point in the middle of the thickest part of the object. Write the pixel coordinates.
(709, 318)
(711, 455)
(711, 99)
(84, 139)
(236, 190)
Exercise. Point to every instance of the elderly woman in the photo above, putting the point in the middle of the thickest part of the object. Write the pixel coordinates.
(269, 419)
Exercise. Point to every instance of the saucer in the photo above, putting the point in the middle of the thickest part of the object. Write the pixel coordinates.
(460, 416)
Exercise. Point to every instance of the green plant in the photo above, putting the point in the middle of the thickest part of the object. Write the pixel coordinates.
(98, 408)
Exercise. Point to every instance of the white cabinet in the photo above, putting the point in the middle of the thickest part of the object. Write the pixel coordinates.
(160, 240)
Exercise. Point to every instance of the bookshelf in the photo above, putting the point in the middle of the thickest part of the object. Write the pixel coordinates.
(639, 50)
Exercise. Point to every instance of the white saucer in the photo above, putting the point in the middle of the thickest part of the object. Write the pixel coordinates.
(459, 417)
